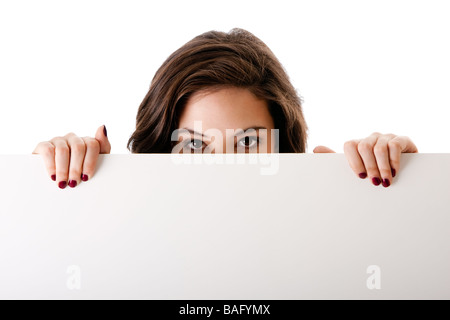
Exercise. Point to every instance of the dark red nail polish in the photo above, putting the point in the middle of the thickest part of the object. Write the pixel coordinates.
(386, 183)
(72, 183)
(376, 181)
(84, 177)
(62, 184)
(393, 172)
(104, 131)
(54, 177)
(363, 175)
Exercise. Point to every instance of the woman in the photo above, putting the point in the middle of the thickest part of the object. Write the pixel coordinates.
(227, 82)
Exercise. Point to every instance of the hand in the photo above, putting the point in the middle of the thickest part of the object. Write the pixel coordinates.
(377, 156)
(71, 159)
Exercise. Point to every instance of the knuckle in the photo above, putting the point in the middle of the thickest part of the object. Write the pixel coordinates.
(70, 134)
(89, 171)
(48, 149)
(379, 150)
(75, 173)
(373, 171)
(92, 144)
(364, 146)
(62, 174)
(78, 148)
(376, 133)
(394, 144)
(57, 139)
(62, 150)
(350, 144)
(88, 167)
(41, 144)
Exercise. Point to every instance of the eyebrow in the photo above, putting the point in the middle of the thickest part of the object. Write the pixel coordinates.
(203, 135)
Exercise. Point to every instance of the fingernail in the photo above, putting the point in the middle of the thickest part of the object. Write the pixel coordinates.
(62, 184)
(54, 177)
(72, 183)
(104, 131)
(363, 175)
(84, 177)
(376, 181)
(393, 172)
(386, 183)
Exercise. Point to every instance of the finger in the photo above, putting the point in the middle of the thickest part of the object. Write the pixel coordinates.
(405, 144)
(354, 159)
(77, 152)
(365, 149)
(322, 149)
(381, 152)
(396, 146)
(47, 150)
(102, 136)
(62, 154)
(91, 157)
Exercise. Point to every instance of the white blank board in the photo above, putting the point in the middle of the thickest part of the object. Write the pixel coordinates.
(145, 227)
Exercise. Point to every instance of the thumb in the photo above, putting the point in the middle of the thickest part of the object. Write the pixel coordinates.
(102, 137)
(322, 149)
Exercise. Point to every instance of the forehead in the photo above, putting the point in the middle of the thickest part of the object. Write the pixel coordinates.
(226, 108)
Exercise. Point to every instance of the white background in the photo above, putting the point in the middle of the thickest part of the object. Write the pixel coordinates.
(360, 66)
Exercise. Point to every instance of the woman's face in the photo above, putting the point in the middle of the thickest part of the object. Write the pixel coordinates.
(230, 120)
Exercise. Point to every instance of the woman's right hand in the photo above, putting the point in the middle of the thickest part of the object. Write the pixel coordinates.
(72, 159)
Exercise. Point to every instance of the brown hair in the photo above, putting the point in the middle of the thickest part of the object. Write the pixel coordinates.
(218, 59)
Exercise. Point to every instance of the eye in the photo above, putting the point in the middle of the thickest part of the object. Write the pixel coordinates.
(249, 142)
(195, 144)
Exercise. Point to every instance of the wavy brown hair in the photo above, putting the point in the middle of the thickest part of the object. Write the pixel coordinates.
(209, 61)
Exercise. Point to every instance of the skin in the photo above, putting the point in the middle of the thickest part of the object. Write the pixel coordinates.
(376, 157)
(238, 109)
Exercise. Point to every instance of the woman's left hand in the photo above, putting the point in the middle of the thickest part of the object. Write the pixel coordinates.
(377, 156)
